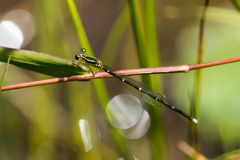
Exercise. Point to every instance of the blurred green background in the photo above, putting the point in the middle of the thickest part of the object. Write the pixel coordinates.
(42, 122)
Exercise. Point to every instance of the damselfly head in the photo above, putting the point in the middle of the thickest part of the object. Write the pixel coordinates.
(80, 55)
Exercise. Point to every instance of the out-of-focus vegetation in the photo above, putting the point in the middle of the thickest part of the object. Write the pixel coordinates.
(45, 122)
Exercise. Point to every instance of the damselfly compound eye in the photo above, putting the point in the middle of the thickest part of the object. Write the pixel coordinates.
(77, 57)
(83, 50)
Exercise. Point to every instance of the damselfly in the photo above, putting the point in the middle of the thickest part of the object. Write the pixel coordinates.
(82, 58)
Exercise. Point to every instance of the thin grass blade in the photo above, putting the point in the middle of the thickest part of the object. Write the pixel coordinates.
(4, 74)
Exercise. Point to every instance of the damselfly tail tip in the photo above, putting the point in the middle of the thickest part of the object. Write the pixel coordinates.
(194, 120)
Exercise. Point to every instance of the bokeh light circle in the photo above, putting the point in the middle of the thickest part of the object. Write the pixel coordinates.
(139, 129)
(25, 21)
(124, 111)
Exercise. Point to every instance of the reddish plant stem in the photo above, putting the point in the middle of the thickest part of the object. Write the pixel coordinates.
(157, 70)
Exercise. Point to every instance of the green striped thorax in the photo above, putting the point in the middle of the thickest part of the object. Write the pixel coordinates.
(81, 57)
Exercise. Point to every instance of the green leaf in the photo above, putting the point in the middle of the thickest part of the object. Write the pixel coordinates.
(42, 63)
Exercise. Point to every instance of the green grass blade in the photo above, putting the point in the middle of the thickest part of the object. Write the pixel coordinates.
(98, 84)
(151, 34)
(41, 62)
(79, 27)
(139, 34)
(4, 74)
(236, 3)
(115, 36)
(148, 54)
(156, 128)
